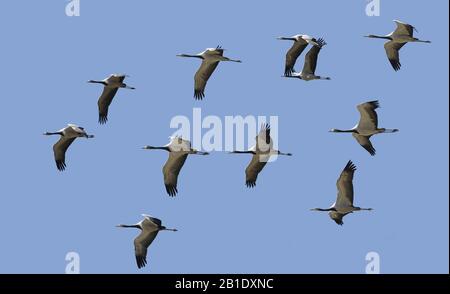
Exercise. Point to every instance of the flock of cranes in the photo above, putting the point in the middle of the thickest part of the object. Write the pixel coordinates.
(179, 149)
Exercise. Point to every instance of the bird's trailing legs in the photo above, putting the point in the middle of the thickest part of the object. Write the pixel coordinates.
(229, 59)
(390, 130)
(195, 152)
(166, 229)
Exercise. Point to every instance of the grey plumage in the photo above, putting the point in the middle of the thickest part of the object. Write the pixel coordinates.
(367, 126)
(404, 33)
(150, 227)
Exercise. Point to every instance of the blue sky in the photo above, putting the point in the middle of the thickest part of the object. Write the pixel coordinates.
(47, 57)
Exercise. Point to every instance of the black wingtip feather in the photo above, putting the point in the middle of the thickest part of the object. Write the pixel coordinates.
(60, 165)
(350, 166)
(102, 119)
(288, 71)
(339, 222)
(375, 104)
(250, 184)
(395, 64)
(141, 261)
(265, 127)
(321, 42)
(371, 150)
(199, 95)
(171, 190)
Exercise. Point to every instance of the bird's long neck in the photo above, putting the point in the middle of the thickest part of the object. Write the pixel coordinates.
(243, 152)
(129, 226)
(360, 208)
(97, 82)
(157, 148)
(379, 37)
(323, 209)
(53, 133)
(190, 55)
(287, 39)
(342, 131)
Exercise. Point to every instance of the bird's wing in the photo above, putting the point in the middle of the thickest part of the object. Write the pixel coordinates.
(291, 56)
(263, 140)
(116, 79)
(337, 217)
(201, 77)
(255, 166)
(311, 57)
(345, 186)
(141, 243)
(404, 29)
(103, 103)
(171, 170)
(368, 119)
(217, 51)
(155, 220)
(392, 51)
(59, 150)
(364, 141)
